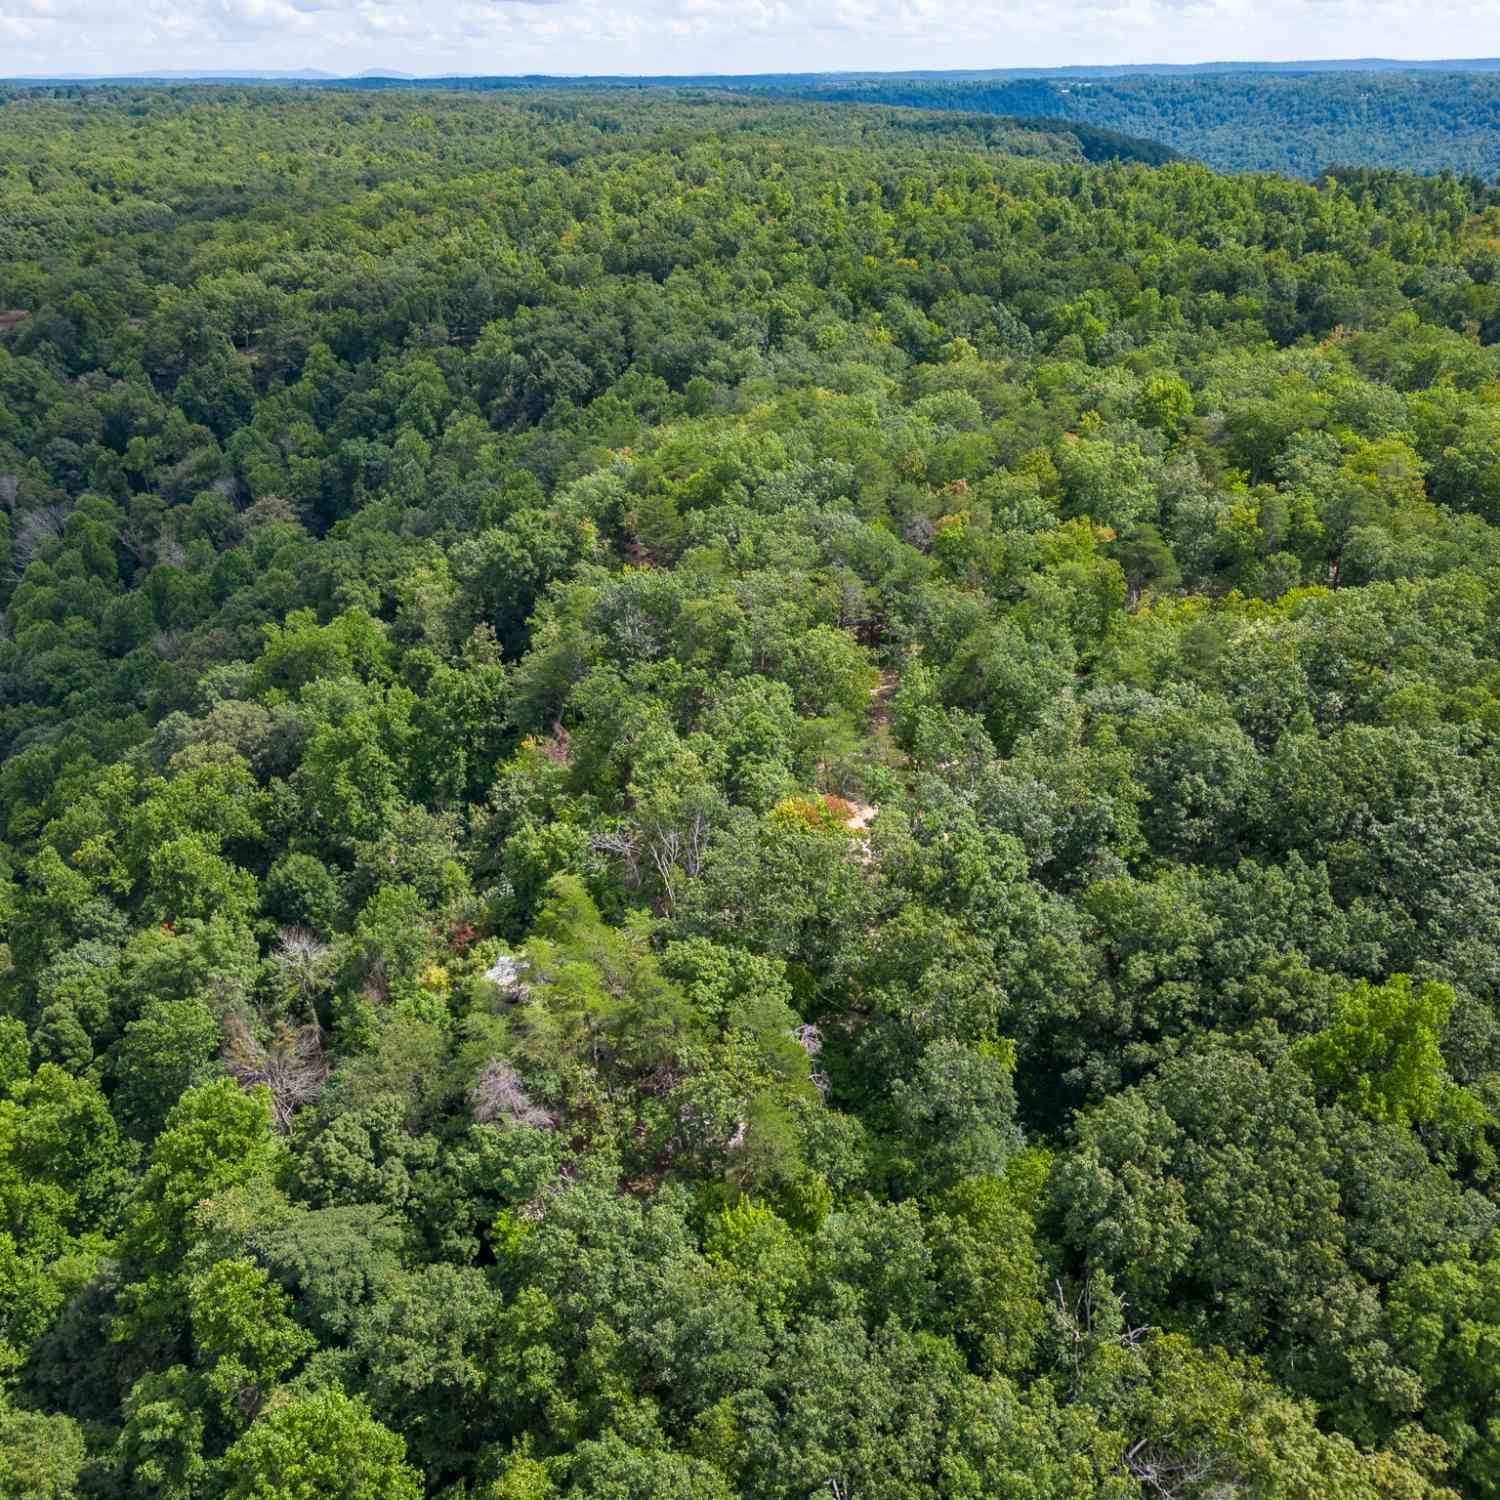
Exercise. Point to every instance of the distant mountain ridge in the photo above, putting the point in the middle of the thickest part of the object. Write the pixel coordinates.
(377, 76)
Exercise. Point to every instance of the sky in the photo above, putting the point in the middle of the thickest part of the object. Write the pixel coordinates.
(719, 36)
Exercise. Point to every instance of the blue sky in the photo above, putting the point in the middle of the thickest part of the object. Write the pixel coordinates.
(719, 36)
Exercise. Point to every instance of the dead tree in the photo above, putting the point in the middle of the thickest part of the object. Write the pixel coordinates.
(498, 1095)
(290, 1065)
(304, 958)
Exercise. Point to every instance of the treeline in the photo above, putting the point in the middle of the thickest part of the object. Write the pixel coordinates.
(719, 798)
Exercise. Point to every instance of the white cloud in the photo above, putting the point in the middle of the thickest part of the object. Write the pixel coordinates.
(719, 36)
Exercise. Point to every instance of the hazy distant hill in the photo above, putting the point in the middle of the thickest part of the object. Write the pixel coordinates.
(1418, 120)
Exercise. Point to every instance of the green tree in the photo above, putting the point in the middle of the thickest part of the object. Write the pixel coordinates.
(612, 1469)
(430, 1345)
(323, 1446)
(44, 1455)
(169, 1048)
(243, 1334)
(1380, 1054)
(601, 993)
(1445, 1324)
(989, 1266)
(216, 1137)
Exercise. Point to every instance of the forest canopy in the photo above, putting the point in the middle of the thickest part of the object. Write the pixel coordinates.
(740, 798)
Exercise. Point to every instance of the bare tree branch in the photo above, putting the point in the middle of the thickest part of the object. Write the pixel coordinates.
(34, 531)
(498, 1094)
(304, 957)
(291, 1065)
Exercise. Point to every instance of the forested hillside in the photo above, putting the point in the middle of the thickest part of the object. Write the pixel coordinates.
(712, 799)
(1299, 124)
(1239, 117)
